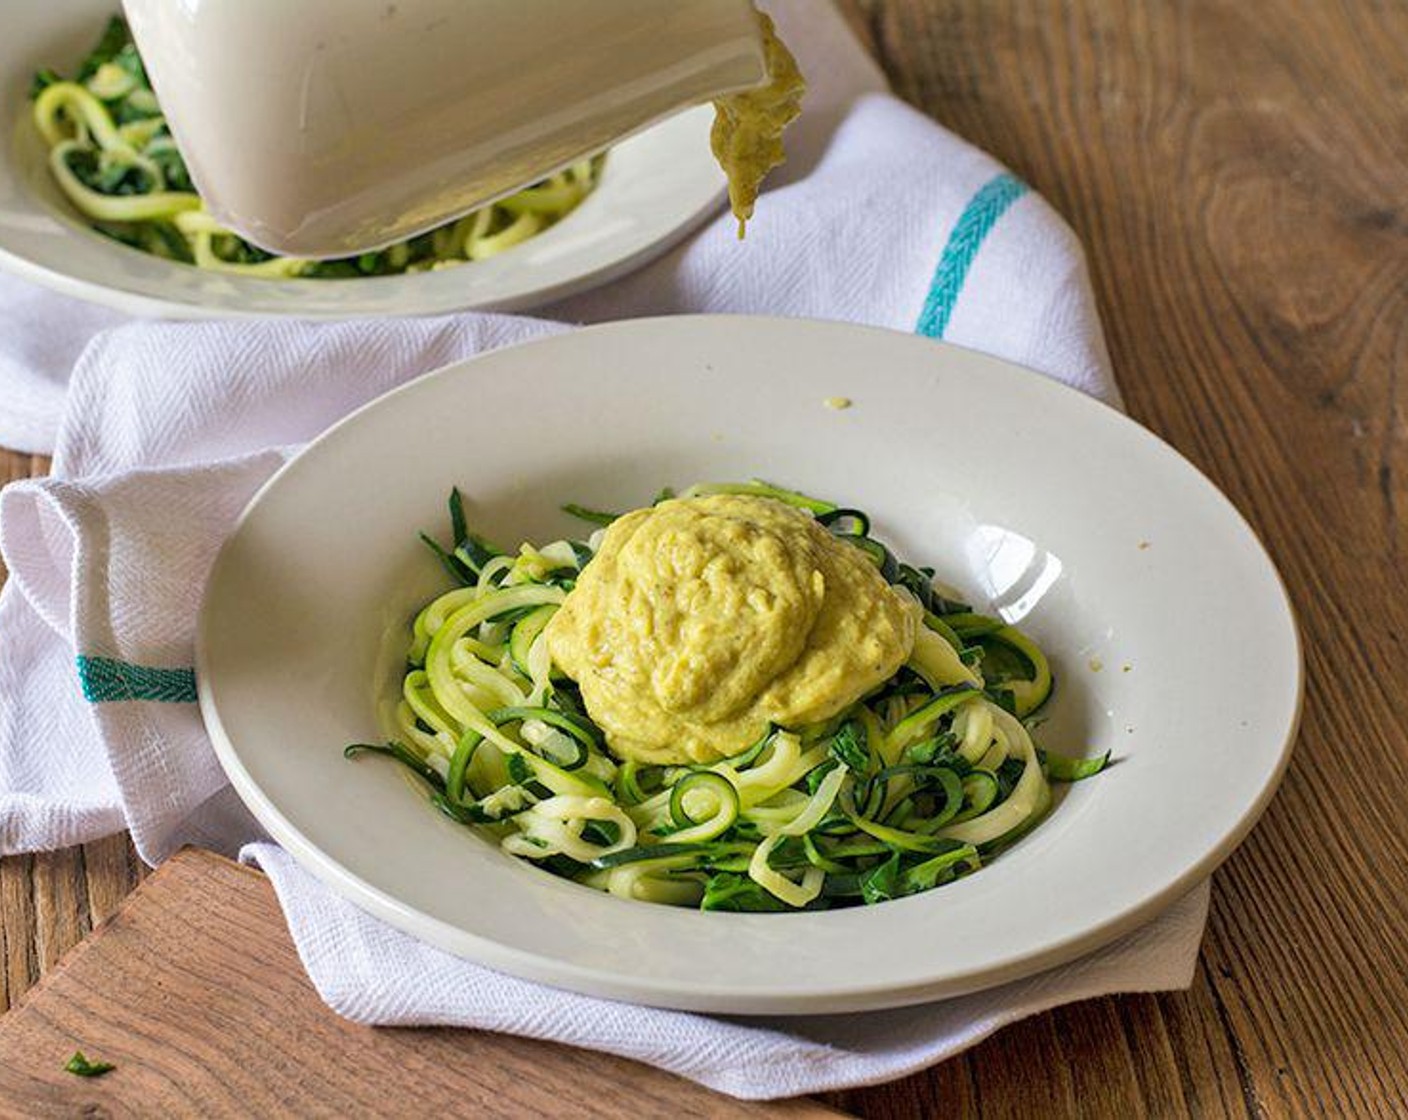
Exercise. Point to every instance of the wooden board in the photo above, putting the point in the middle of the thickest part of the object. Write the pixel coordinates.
(194, 992)
(1238, 174)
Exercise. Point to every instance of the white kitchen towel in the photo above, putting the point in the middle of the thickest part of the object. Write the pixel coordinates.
(372, 973)
(861, 223)
(41, 335)
(882, 218)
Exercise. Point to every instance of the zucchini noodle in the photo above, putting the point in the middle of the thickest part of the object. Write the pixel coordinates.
(911, 787)
(114, 159)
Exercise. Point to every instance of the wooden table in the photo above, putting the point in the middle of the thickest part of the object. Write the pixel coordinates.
(1239, 175)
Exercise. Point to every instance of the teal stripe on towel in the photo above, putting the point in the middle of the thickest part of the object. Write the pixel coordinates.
(973, 226)
(105, 679)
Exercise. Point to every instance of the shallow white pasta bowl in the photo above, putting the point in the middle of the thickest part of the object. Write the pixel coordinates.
(655, 187)
(1168, 628)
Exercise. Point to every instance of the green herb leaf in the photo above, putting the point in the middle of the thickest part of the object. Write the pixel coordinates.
(237, 250)
(1008, 775)
(459, 526)
(115, 37)
(937, 751)
(458, 569)
(882, 883)
(849, 745)
(595, 516)
(173, 168)
(41, 81)
(80, 1066)
(162, 239)
(139, 105)
(817, 775)
(128, 58)
(1003, 699)
(942, 868)
(331, 270)
(519, 769)
(121, 179)
(789, 854)
(83, 162)
(738, 893)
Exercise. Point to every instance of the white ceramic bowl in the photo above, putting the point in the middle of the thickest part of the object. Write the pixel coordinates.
(1169, 631)
(655, 188)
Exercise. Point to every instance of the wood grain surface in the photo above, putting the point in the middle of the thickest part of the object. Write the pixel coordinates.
(1239, 175)
(195, 994)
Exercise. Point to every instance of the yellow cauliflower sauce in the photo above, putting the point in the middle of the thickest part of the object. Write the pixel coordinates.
(702, 621)
(747, 134)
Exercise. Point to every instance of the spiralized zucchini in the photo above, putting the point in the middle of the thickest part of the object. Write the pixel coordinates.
(113, 157)
(910, 788)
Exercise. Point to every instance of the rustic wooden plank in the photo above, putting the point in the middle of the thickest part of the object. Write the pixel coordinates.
(1203, 1064)
(18, 925)
(194, 991)
(111, 871)
(60, 903)
(1237, 173)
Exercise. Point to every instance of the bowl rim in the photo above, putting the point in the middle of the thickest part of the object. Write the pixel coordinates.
(44, 242)
(709, 996)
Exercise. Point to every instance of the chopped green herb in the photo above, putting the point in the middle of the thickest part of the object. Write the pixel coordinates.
(595, 516)
(115, 37)
(849, 745)
(882, 883)
(41, 81)
(727, 891)
(80, 1066)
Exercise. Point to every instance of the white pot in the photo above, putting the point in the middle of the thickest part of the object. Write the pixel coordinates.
(324, 128)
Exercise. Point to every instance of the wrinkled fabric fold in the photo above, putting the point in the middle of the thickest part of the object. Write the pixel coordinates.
(371, 973)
